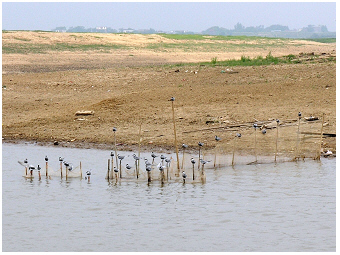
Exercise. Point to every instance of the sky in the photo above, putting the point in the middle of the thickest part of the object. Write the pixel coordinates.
(166, 16)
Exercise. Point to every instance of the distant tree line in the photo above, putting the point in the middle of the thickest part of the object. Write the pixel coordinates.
(310, 31)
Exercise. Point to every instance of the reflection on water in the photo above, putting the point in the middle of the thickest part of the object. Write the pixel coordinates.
(270, 207)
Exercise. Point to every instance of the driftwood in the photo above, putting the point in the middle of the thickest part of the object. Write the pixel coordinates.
(84, 113)
(315, 133)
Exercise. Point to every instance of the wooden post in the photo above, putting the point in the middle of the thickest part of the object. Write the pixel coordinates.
(108, 169)
(61, 169)
(297, 151)
(203, 178)
(139, 143)
(149, 176)
(46, 165)
(173, 118)
(112, 155)
(81, 171)
(184, 146)
(137, 172)
(233, 158)
(199, 157)
(114, 132)
(39, 172)
(120, 168)
(321, 134)
(255, 144)
(277, 137)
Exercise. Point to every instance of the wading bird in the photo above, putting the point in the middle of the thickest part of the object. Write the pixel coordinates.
(184, 175)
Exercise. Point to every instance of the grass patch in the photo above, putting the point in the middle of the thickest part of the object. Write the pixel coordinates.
(219, 37)
(323, 40)
(35, 48)
(257, 61)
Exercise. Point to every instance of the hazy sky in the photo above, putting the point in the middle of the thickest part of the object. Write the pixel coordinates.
(166, 16)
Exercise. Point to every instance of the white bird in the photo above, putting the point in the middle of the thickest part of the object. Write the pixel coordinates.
(25, 164)
(200, 144)
(135, 157)
(160, 167)
(328, 153)
(184, 146)
(184, 175)
(204, 161)
(153, 155)
(264, 131)
(115, 169)
(238, 134)
(217, 138)
(46, 158)
(120, 157)
(193, 161)
(168, 161)
(147, 163)
(128, 166)
(88, 174)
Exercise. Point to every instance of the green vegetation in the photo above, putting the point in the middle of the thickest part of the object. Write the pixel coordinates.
(260, 61)
(218, 37)
(323, 40)
(35, 48)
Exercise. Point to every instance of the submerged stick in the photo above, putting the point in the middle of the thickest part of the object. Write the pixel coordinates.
(255, 126)
(114, 132)
(199, 154)
(112, 155)
(81, 171)
(173, 118)
(184, 146)
(61, 168)
(232, 160)
(203, 178)
(321, 133)
(139, 142)
(39, 172)
(216, 139)
(108, 169)
(297, 152)
(46, 165)
(277, 136)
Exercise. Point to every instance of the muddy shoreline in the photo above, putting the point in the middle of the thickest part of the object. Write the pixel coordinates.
(130, 90)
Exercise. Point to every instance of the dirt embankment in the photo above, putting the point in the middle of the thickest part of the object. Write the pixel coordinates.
(130, 89)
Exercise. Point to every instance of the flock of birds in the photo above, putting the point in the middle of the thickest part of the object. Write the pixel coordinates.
(163, 166)
(29, 168)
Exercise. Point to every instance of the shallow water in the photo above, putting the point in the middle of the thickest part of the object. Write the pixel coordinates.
(289, 206)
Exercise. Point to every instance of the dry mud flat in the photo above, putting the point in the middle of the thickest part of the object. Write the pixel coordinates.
(131, 90)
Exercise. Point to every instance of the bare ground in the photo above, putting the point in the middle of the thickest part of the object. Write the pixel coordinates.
(130, 90)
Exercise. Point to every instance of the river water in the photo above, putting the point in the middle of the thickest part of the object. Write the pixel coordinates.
(288, 206)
